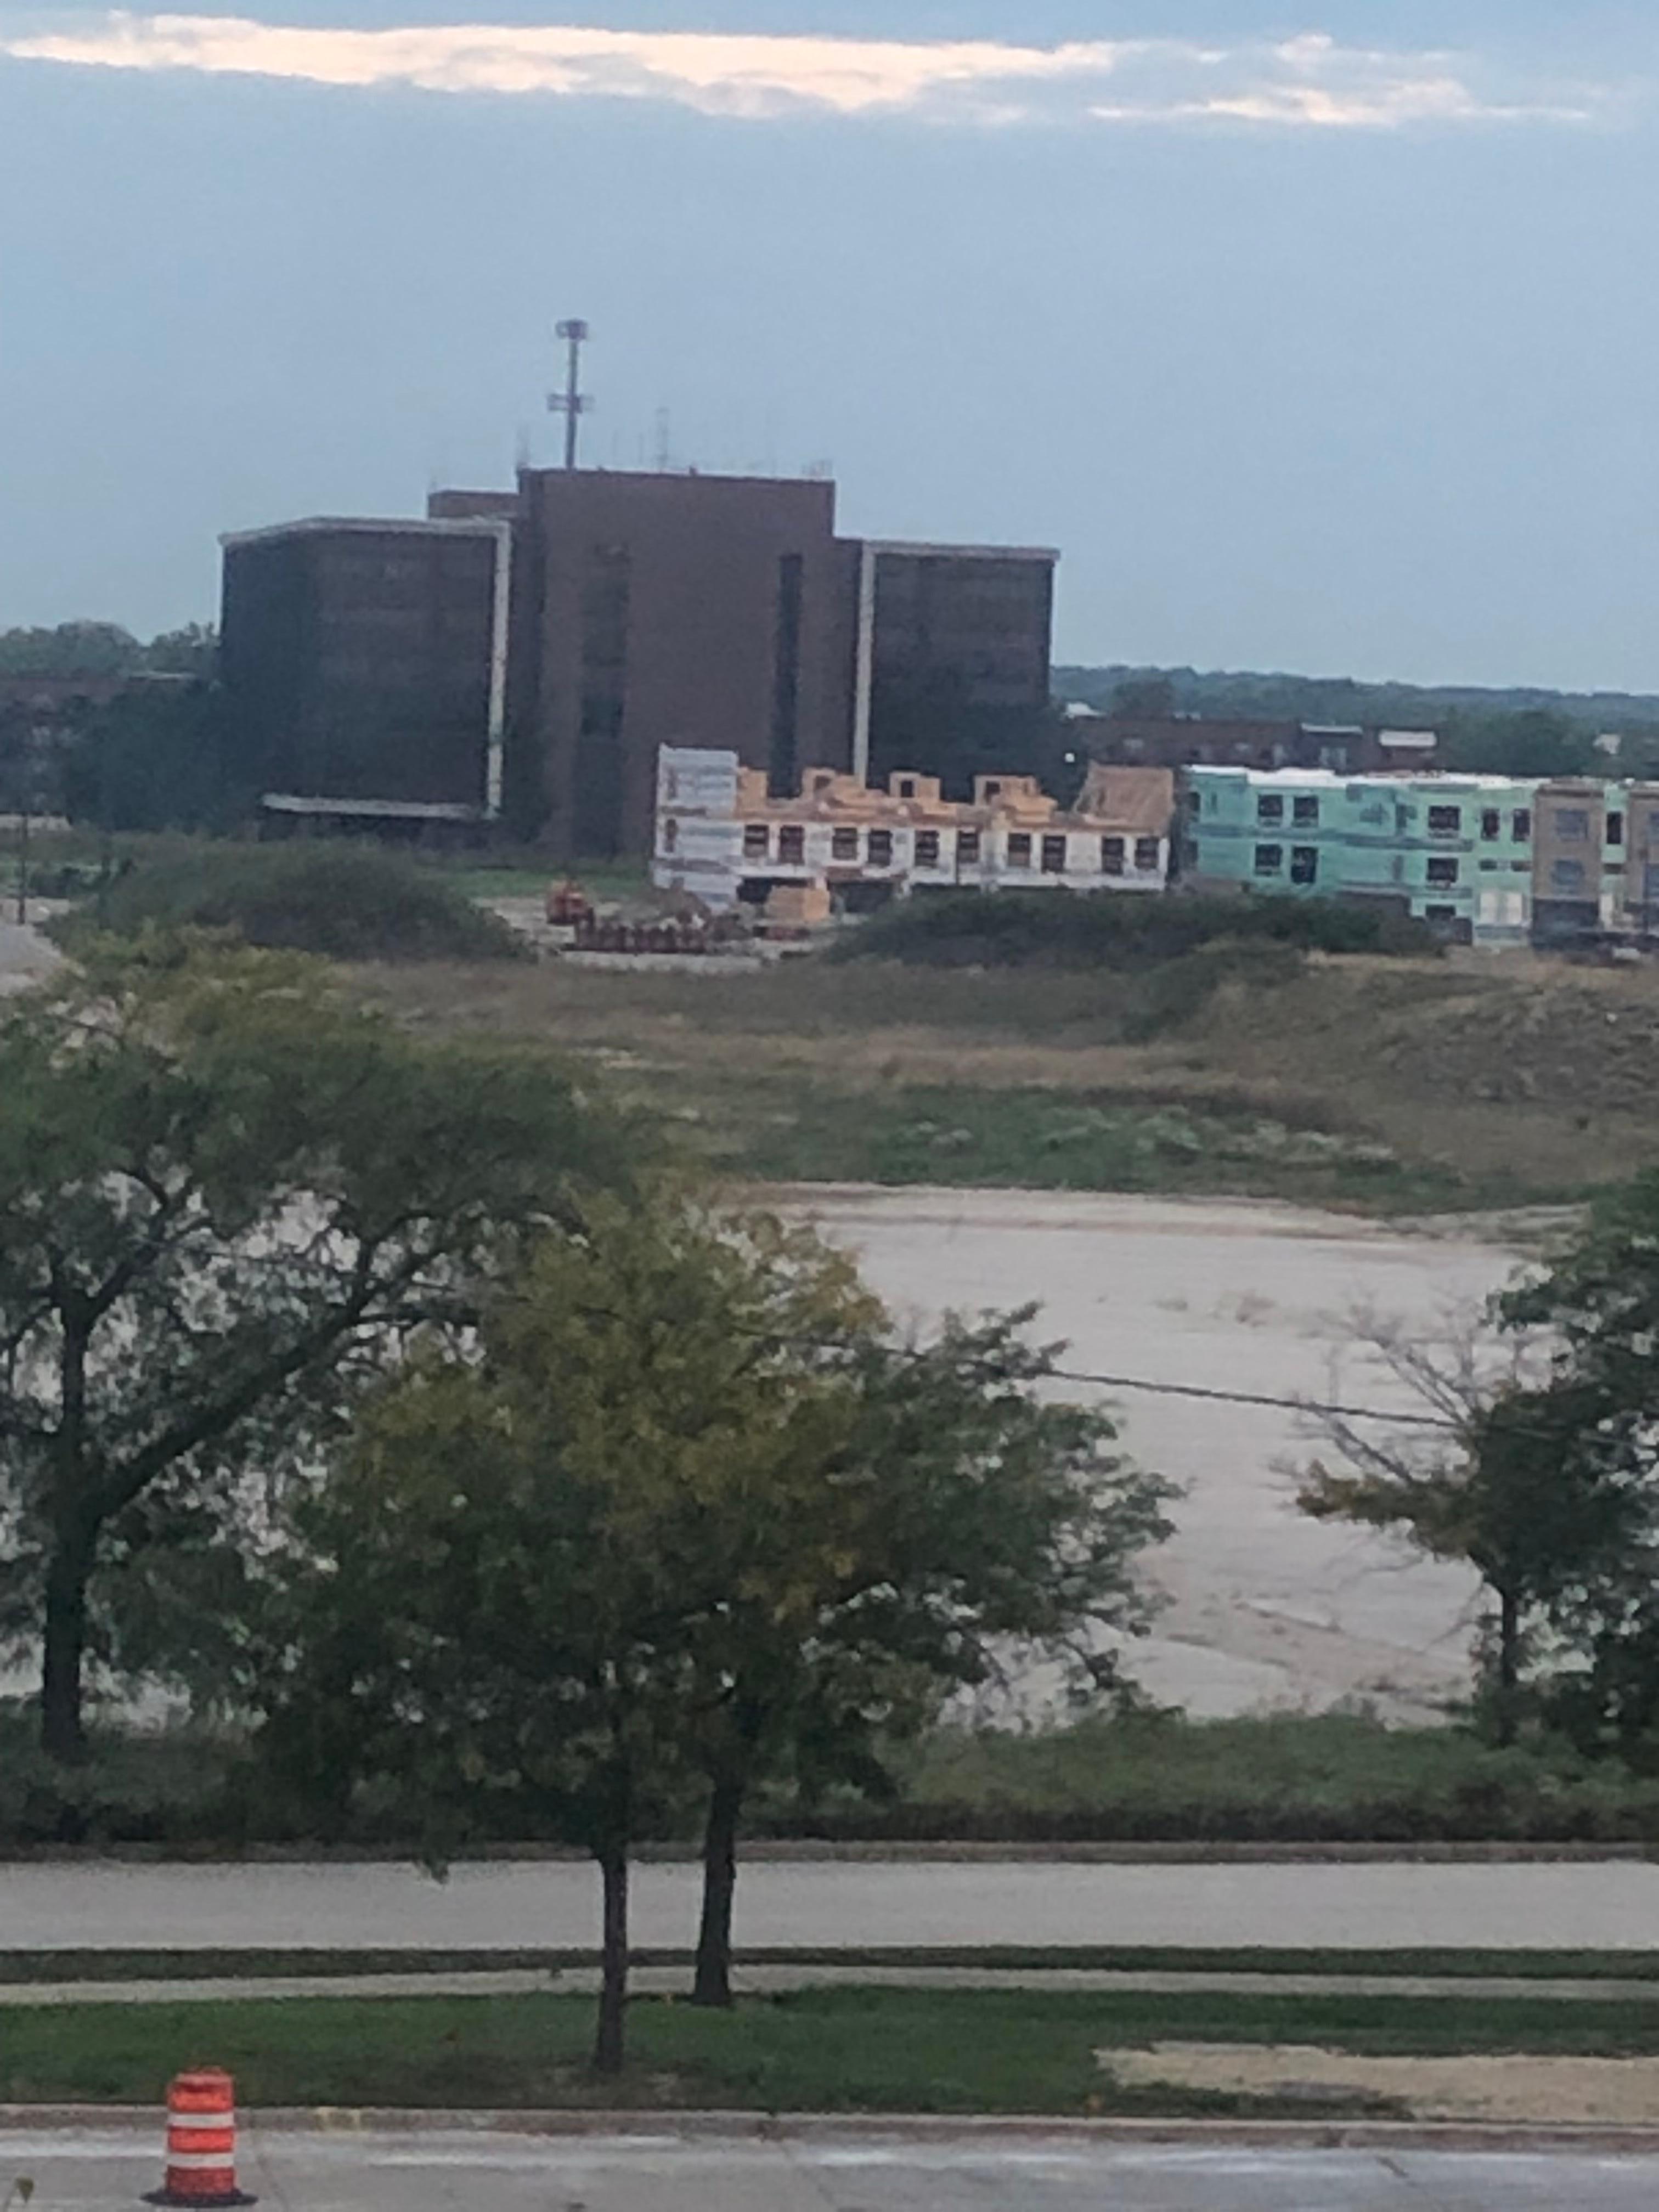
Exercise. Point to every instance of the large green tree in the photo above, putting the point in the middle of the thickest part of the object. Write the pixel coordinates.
(227, 1198)
(499, 1605)
(689, 1513)
(962, 1522)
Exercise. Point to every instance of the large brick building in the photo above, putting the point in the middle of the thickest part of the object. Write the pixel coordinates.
(643, 611)
(365, 664)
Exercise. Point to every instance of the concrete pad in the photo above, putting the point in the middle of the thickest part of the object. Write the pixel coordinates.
(1268, 1609)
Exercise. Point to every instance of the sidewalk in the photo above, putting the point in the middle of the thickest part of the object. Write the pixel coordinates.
(766, 1981)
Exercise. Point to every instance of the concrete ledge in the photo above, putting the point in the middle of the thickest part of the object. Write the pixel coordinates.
(809, 1852)
(919, 2128)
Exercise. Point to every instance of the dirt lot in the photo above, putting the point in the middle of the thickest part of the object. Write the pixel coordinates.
(1379, 1086)
(1510, 2088)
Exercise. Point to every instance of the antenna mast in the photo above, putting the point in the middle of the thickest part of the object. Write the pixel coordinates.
(572, 403)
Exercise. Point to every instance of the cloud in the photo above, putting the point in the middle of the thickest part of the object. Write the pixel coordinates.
(1309, 82)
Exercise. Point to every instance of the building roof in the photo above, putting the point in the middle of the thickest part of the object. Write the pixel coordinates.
(368, 526)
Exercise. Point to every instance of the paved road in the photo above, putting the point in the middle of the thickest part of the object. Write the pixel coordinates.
(1550, 1905)
(86, 2172)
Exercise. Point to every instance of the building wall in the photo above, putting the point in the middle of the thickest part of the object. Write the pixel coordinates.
(701, 612)
(1457, 851)
(358, 659)
(721, 834)
(955, 660)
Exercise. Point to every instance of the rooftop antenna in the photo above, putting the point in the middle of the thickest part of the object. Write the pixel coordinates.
(572, 403)
(665, 441)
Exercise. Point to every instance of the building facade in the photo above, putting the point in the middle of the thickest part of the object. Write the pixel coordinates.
(1453, 851)
(951, 672)
(652, 610)
(588, 618)
(722, 834)
(1487, 859)
(1180, 741)
(365, 667)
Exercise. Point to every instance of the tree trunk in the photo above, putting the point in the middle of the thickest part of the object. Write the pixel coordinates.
(63, 1727)
(1509, 1666)
(610, 2042)
(712, 1985)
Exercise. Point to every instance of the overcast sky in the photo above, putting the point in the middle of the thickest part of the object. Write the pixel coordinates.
(1323, 339)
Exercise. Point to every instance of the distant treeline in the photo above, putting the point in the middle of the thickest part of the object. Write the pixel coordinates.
(80, 649)
(1222, 694)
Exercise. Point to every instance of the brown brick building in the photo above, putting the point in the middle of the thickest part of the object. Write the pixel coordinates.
(651, 611)
(1178, 741)
(365, 664)
(706, 613)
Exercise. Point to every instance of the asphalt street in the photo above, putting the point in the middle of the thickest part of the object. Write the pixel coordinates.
(1546, 1905)
(441, 2172)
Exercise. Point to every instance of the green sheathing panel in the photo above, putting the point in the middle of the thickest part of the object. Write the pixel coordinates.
(1420, 839)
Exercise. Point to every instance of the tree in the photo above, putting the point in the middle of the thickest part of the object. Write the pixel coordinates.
(72, 650)
(502, 1595)
(1489, 1481)
(1144, 698)
(732, 1522)
(1600, 1304)
(962, 1522)
(192, 651)
(227, 1200)
(1534, 741)
(154, 757)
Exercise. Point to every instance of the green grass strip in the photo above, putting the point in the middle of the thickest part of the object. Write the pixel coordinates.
(844, 2049)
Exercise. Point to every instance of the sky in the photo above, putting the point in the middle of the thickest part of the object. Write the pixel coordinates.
(1319, 334)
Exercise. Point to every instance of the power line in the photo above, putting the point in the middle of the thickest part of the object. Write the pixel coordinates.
(1257, 1398)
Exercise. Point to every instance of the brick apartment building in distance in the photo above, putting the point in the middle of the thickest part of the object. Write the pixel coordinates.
(611, 615)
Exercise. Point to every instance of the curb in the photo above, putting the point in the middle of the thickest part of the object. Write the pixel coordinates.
(1451, 2135)
(815, 1852)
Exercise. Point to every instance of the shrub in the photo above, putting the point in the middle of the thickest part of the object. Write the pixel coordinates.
(344, 902)
(1073, 929)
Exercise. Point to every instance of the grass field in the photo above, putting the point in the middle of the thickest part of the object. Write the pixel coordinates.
(1385, 1086)
(846, 2050)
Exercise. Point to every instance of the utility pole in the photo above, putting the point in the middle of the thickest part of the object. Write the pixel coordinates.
(572, 403)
